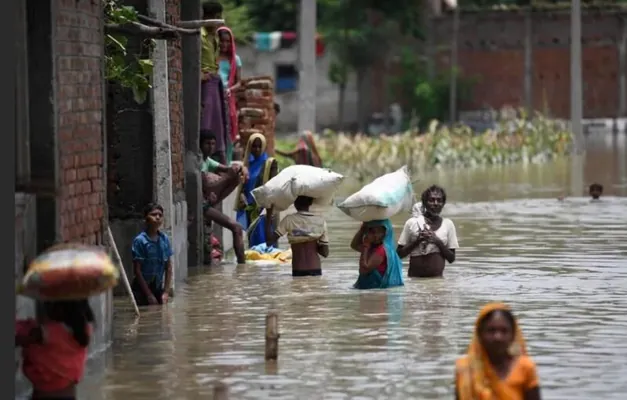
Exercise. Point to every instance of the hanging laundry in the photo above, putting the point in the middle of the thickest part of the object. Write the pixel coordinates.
(272, 41)
(319, 45)
(262, 41)
(288, 39)
(275, 40)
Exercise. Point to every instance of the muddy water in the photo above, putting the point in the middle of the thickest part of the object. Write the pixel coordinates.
(561, 265)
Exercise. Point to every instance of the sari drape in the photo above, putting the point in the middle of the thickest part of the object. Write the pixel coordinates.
(394, 273)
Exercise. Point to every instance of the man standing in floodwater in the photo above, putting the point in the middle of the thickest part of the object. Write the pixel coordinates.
(595, 190)
(307, 235)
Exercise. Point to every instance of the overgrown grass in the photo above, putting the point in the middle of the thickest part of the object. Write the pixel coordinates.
(526, 140)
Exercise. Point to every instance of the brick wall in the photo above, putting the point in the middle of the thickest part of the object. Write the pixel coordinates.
(78, 61)
(491, 51)
(175, 76)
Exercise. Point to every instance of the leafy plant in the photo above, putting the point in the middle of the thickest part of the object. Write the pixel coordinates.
(128, 70)
(429, 99)
(239, 19)
(517, 139)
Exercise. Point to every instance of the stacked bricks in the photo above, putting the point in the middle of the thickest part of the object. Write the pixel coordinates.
(175, 92)
(78, 61)
(255, 102)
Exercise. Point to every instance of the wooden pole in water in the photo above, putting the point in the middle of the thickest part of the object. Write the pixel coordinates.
(272, 336)
(118, 261)
(220, 392)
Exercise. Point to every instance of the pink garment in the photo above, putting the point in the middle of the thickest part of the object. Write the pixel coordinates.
(232, 75)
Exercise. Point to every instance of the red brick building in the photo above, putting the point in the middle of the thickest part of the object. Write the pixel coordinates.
(491, 49)
(81, 137)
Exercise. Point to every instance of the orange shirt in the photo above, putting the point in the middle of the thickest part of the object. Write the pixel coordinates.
(55, 364)
(522, 376)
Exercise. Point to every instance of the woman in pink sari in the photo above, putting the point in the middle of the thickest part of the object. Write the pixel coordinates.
(230, 67)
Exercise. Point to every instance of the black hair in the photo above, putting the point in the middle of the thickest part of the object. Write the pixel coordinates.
(303, 202)
(76, 314)
(206, 134)
(277, 108)
(596, 186)
(150, 207)
(424, 197)
(509, 316)
(211, 9)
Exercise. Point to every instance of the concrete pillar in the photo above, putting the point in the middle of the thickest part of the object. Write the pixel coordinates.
(162, 189)
(454, 68)
(190, 10)
(307, 66)
(44, 150)
(622, 71)
(528, 81)
(576, 89)
(22, 152)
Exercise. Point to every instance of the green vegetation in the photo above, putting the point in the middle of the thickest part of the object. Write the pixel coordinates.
(527, 140)
(128, 70)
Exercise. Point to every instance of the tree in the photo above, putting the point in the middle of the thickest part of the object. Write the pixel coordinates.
(238, 19)
(360, 33)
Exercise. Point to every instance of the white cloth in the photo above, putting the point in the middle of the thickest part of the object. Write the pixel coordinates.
(275, 40)
(446, 233)
(303, 227)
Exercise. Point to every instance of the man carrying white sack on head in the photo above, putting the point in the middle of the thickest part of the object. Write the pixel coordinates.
(302, 186)
(307, 235)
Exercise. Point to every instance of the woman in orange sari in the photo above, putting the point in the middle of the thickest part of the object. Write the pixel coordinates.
(496, 366)
(306, 152)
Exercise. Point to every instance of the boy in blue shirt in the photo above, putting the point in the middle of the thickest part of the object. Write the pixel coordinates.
(152, 260)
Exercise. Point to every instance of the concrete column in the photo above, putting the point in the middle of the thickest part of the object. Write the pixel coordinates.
(162, 189)
(190, 10)
(307, 66)
(576, 89)
(528, 82)
(454, 68)
(622, 71)
(22, 151)
(44, 150)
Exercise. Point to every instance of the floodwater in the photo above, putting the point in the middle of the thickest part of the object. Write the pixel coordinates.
(562, 266)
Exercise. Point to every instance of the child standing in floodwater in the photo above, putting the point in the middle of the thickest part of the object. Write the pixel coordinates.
(496, 365)
(152, 260)
(307, 235)
(54, 350)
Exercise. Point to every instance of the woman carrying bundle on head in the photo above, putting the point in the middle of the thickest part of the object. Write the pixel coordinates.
(380, 266)
(261, 168)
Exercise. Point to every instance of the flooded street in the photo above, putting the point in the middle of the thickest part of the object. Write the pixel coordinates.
(561, 265)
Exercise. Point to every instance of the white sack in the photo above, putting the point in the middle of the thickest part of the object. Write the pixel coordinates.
(298, 180)
(383, 198)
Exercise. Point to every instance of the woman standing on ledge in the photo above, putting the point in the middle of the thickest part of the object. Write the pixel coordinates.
(428, 239)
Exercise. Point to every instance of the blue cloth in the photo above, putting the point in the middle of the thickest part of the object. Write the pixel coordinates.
(152, 255)
(224, 68)
(255, 168)
(264, 249)
(394, 272)
(257, 234)
(262, 41)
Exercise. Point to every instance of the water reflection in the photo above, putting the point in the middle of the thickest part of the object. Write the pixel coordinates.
(561, 265)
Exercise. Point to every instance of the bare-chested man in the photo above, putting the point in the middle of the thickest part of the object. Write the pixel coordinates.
(307, 235)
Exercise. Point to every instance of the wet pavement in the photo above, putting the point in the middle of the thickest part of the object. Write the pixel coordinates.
(562, 266)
